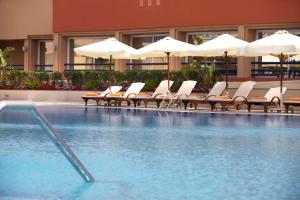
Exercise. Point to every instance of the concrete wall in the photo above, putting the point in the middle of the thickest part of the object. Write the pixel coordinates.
(20, 18)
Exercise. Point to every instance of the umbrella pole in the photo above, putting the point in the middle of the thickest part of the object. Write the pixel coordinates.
(109, 73)
(281, 79)
(168, 60)
(226, 71)
(281, 72)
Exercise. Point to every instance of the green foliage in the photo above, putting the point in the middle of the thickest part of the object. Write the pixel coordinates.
(16, 77)
(75, 78)
(197, 40)
(4, 54)
(42, 77)
(31, 84)
(205, 75)
(150, 84)
(56, 78)
(92, 80)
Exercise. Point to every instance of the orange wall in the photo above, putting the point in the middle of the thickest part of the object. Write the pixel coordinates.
(97, 15)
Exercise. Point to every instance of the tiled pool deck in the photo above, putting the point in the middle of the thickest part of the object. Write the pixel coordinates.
(204, 108)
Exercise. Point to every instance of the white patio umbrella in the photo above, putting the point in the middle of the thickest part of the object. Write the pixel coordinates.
(110, 49)
(165, 47)
(280, 44)
(295, 58)
(223, 45)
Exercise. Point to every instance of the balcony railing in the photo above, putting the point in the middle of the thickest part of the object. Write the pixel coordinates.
(43, 68)
(15, 66)
(87, 66)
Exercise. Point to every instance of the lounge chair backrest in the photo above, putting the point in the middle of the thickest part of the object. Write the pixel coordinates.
(274, 92)
(186, 88)
(162, 88)
(244, 89)
(134, 88)
(114, 89)
(218, 89)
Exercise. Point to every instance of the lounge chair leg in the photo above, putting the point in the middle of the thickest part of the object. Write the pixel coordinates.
(128, 102)
(195, 105)
(86, 101)
(97, 101)
(287, 108)
(158, 103)
(212, 106)
(185, 104)
(265, 108)
(224, 108)
(146, 104)
(249, 107)
(134, 103)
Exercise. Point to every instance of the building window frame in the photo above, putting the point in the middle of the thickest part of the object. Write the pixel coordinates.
(146, 35)
(216, 33)
(38, 58)
(295, 31)
(101, 38)
(210, 32)
(209, 36)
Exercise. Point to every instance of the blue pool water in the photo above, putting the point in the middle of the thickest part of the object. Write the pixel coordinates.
(145, 155)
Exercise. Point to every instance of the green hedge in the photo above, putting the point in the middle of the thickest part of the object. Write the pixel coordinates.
(93, 80)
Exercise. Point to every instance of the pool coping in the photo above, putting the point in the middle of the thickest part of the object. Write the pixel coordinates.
(200, 110)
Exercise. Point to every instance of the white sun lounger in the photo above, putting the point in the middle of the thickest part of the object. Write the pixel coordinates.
(162, 89)
(239, 97)
(271, 98)
(97, 97)
(217, 90)
(184, 91)
(133, 90)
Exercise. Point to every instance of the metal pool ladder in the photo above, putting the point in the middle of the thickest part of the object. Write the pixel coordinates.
(60, 143)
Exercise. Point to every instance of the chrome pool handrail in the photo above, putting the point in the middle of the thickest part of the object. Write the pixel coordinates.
(59, 142)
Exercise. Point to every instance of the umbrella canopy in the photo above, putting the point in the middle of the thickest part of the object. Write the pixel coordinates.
(107, 48)
(295, 58)
(110, 49)
(280, 44)
(223, 45)
(165, 47)
(218, 46)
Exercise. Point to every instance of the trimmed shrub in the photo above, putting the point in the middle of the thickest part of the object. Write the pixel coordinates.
(205, 76)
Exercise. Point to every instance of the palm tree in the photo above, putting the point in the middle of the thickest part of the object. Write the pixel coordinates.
(4, 53)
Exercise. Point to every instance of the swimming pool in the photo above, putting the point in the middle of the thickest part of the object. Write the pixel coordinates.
(139, 154)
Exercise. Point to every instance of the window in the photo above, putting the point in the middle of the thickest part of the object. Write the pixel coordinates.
(205, 36)
(200, 37)
(77, 62)
(45, 55)
(139, 41)
(264, 33)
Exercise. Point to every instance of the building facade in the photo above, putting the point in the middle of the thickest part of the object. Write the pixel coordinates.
(45, 32)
